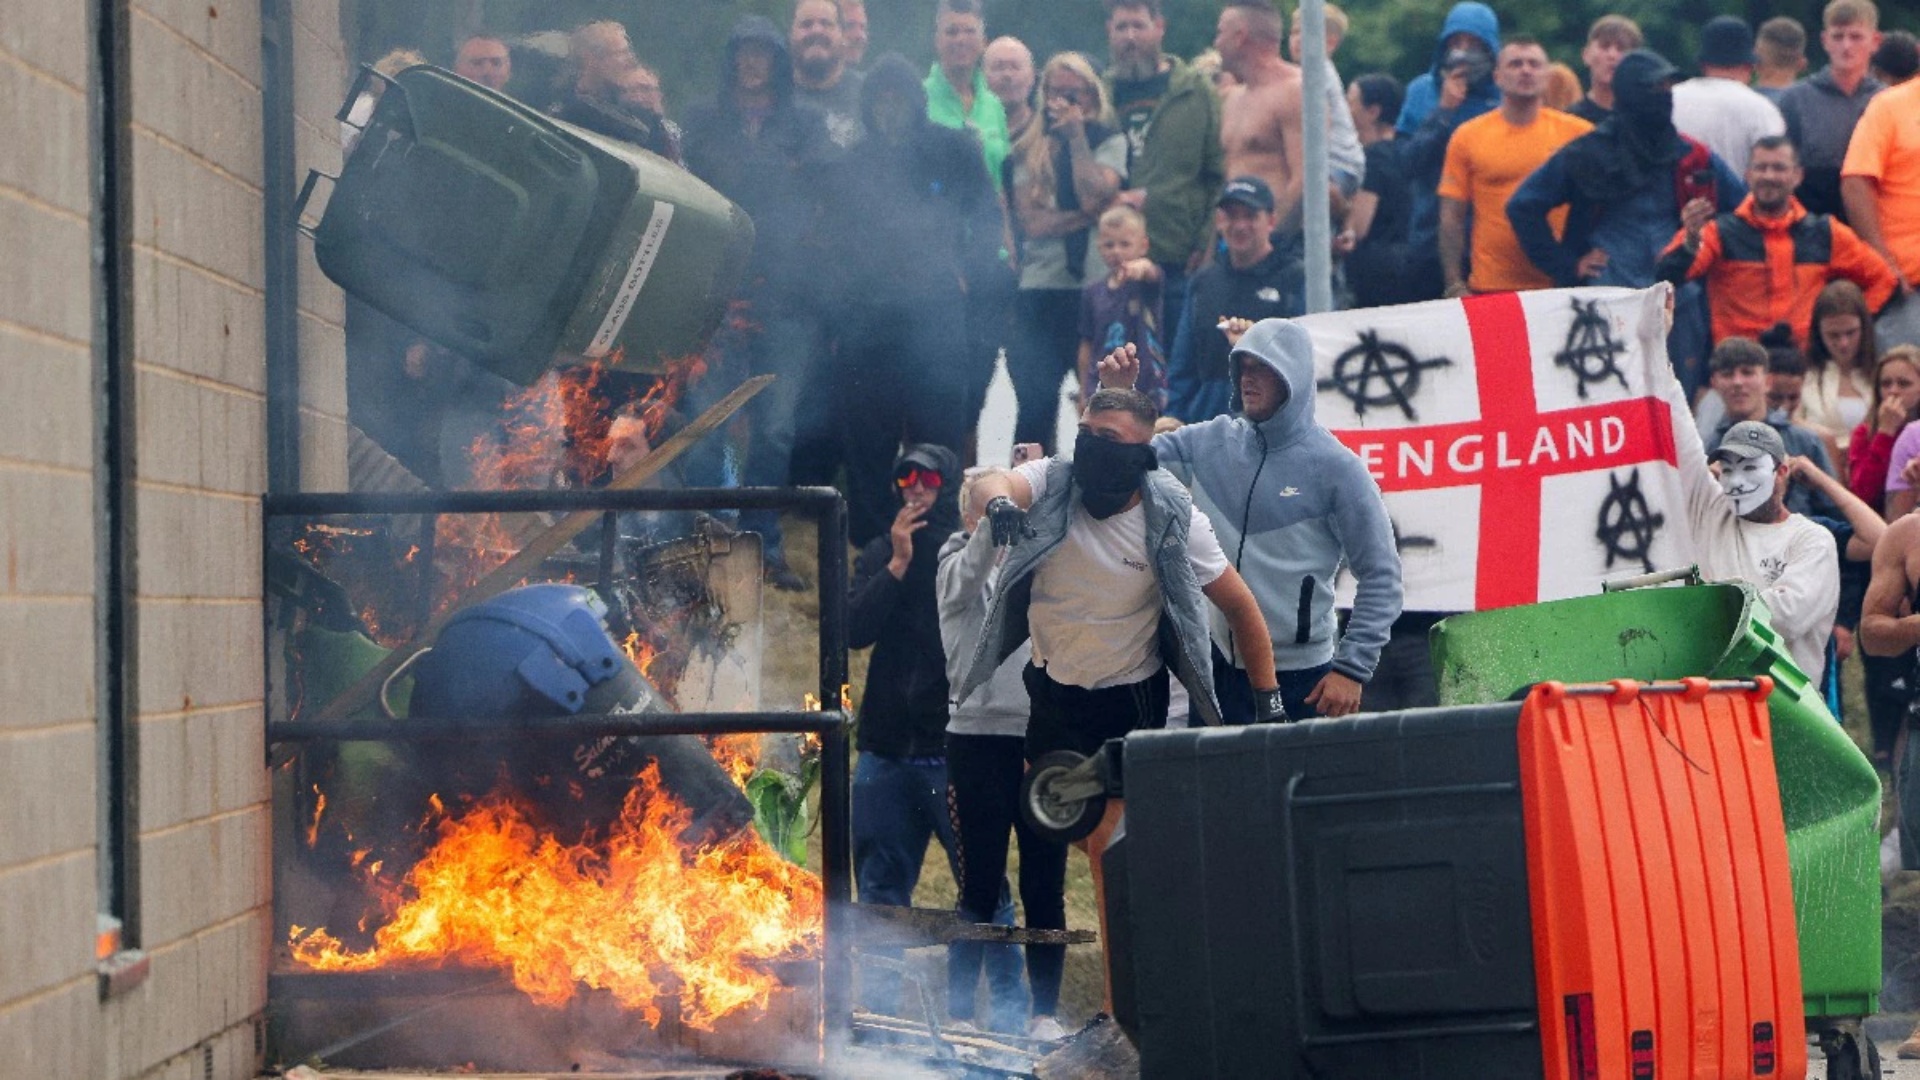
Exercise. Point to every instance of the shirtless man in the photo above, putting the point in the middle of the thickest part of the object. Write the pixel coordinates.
(1261, 122)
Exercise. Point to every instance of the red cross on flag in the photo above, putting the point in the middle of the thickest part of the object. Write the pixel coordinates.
(1523, 450)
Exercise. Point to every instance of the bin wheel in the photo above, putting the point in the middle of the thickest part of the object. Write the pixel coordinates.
(1059, 819)
(1851, 1054)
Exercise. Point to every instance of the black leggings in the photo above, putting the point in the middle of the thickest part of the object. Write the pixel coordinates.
(983, 797)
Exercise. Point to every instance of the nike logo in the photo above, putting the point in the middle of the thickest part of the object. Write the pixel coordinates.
(1268, 295)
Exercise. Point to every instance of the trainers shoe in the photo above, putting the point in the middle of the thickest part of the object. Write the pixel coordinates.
(781, 576)
(1045, 1029)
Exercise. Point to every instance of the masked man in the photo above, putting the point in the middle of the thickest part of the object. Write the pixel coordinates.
(1110, 570)
(1742, 530)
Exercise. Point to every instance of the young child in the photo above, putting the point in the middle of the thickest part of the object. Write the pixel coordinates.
(1124, 306)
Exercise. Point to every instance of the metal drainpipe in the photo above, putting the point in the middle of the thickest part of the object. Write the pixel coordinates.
(282, 248)
(1314, 203)
(116, 577)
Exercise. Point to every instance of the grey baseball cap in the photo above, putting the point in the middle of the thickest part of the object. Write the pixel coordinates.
(1750, 439)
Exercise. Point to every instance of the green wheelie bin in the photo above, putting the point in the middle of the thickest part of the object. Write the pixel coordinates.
(1829, 792)
(520, 242)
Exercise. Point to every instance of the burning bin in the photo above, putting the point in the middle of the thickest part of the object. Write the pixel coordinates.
(1515, 890)
(514, 240)
(1829, 793)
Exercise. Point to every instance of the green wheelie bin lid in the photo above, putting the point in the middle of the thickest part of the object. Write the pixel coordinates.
(1829, 792)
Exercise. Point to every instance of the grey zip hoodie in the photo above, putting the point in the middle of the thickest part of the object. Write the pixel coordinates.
(1289, 503)
(964, 585)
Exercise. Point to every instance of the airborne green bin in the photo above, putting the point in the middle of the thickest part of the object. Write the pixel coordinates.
(520, 242)
(1829, 793)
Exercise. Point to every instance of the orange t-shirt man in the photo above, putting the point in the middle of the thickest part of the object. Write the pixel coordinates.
(1487, 158)
(1886, 147)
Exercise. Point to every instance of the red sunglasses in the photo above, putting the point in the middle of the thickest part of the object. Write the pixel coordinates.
(926, 478)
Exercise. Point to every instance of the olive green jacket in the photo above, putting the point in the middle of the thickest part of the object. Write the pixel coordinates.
(1181, 166)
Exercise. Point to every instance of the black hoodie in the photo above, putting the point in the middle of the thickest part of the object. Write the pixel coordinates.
(912, 217)
(1637, 145)
(904, 710)
(775, 174)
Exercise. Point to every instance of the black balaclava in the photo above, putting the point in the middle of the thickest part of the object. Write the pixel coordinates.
(1109, 473)
(1637, 145)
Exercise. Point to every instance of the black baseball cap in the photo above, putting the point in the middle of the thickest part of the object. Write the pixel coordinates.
(1248, 191)
(1726, 41)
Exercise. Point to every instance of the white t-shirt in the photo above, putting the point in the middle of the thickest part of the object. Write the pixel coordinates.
(1095, 614)
(1727, 116)
(1794, 564)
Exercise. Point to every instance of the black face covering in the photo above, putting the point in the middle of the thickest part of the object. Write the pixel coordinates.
(1109, 473)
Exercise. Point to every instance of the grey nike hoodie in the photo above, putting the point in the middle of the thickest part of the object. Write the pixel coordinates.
(1290, 503)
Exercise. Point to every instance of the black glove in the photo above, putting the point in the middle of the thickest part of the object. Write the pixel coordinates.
(1268, 708)
(1009, 521)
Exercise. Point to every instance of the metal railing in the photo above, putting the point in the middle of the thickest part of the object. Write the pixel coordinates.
(825, 506)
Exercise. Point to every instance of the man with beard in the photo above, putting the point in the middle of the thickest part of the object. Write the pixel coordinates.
(1624, 185)
(917, 223)
(1109, 572)
(769, 154)
(1766, 262)
(821, 77)
(1175, 166)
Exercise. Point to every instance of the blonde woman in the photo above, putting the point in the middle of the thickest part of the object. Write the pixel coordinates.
(1063, 173)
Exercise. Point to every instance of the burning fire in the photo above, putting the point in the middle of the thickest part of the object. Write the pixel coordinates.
(636, 913)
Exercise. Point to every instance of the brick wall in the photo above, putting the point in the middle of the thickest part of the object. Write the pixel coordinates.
(200, 385)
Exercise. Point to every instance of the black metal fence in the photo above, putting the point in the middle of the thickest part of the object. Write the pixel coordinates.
(830, 723)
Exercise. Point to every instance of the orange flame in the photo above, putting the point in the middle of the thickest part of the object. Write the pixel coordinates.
(738, 754)
(636, 914)
(319, 808)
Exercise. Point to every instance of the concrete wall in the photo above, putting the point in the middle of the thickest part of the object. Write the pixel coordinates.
(200, 387)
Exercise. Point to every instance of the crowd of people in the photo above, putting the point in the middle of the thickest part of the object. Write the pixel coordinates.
(1136, 225)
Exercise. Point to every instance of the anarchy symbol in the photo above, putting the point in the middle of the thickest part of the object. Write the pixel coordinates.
(1591, 353)
(1394, 365)
(1627, 524)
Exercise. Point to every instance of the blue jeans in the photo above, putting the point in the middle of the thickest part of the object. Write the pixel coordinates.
(1235, 691)
(899, 804)
(786, 346)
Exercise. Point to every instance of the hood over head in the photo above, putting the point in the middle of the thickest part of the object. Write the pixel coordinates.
(760, 30)
(1636, 146)
(1471, 17)
(893, 73)
(931, 457)
(943, 519)
(1284, 346)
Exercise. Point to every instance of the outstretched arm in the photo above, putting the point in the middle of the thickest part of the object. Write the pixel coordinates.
(1230, 594)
